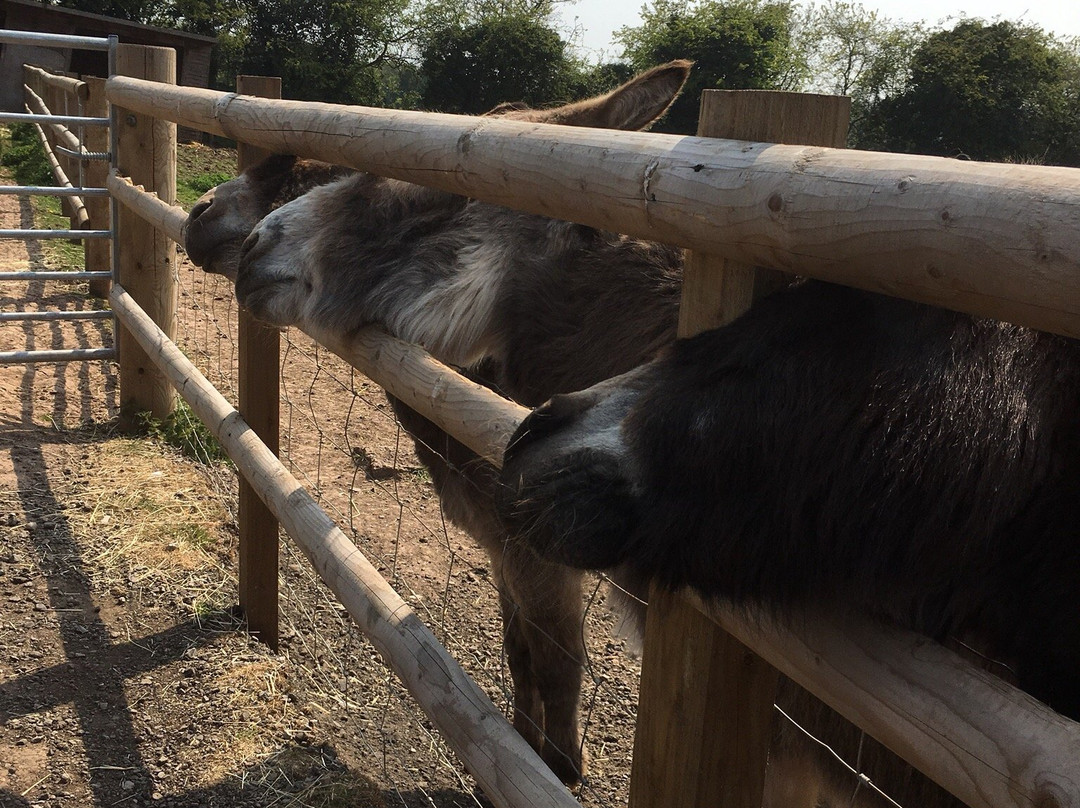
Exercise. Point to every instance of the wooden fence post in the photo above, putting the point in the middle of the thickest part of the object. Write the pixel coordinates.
(97, 251)
(706, 706)
(146, 153)
(259, 404)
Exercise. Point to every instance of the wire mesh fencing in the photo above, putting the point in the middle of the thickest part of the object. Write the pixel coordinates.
(341, 439)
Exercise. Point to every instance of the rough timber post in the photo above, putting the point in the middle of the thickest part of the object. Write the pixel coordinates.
(259, 404)
(706, 706)
(146, 153)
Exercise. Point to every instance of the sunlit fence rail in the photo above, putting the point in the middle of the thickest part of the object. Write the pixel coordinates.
(991, 240)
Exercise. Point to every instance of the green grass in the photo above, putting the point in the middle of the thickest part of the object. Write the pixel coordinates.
(21, 153)
(20, 150)
(60, 254)
(192, 534)
(199, 168)
(183, 430)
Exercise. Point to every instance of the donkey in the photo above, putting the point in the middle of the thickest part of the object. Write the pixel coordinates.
(834, 448)
(529, 306)
(222, 218)
(429, 266)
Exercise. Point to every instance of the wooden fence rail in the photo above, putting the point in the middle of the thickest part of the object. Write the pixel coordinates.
(508, 770)
(992, 240)
(988, 743)
(67, 84)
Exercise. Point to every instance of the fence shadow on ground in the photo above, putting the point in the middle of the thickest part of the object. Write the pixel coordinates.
(90, 672)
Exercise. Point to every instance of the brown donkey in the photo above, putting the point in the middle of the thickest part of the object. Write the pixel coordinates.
(429, 266)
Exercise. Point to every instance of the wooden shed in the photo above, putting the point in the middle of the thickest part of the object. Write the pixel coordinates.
(192, 50)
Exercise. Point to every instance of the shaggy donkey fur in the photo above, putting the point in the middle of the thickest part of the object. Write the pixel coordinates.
(834, 447)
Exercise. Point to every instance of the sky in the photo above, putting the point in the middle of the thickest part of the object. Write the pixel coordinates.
(598, 18)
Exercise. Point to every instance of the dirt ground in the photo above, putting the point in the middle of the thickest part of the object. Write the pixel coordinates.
(126, 677)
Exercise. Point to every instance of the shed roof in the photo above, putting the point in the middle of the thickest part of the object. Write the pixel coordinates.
(108, 25)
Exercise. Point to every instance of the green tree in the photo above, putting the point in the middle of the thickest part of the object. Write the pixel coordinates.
(206, 17)
(989, 91)
(855, 52)
(325, 50)
(735, 44)
(132, 10)
(472, 66)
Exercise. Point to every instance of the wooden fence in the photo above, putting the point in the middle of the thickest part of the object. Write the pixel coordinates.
(992, 240)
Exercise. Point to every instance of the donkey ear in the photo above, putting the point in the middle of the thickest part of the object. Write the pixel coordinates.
(634, 105)
(272, 167)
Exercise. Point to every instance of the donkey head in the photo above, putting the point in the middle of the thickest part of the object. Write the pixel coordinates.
(571, 483)
(224, 216)
(364, 227)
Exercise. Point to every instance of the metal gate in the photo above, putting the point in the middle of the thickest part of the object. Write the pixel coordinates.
(69, 135)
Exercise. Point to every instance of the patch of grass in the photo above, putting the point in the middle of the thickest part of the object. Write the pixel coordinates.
(199, 168)
(20, 150)
(189, 190)
(193, 534)
(139, 506)
(184, 431)
(58, 254)
(204, 182)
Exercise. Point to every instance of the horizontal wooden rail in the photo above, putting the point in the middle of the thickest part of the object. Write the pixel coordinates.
(64, 136)
(165, 217)
(986, 742)
(994, 240)
(79, 89)
(473, 414)
(508, 770)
